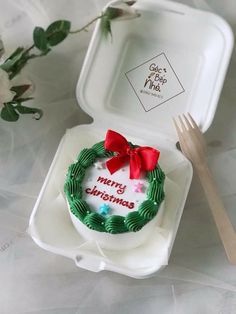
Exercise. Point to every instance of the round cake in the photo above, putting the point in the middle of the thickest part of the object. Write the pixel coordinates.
(115, 192)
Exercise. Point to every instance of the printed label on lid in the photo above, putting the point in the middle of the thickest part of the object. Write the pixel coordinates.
(154, 82)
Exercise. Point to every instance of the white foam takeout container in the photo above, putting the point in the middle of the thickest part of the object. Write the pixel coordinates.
(172, 59)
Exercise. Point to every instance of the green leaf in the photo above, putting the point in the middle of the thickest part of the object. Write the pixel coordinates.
(7, 65)
(106, 26)
(17, 52)
(9, 113)
(44, 53)
(40, 39)
(18, 66)
(57, 32)
(27, 110)
(12, 60)
(20, 90)
(20, 100)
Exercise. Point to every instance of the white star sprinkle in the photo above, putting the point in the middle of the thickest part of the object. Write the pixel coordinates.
(99, 165)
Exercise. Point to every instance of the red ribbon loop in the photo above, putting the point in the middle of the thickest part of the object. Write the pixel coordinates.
(140, 158)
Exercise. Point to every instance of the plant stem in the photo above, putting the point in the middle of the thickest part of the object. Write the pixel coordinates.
(87, 25)
(28, 49)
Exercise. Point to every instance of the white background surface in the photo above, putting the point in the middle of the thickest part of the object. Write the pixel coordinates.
(198, 278)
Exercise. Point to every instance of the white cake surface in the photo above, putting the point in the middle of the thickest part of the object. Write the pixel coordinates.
(113, 187)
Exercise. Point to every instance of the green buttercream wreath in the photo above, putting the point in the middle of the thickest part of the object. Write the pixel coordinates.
(132, 222)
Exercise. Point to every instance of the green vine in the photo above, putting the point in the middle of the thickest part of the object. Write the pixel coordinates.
(43, 42)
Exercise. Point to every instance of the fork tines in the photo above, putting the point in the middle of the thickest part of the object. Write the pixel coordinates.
(185, 123)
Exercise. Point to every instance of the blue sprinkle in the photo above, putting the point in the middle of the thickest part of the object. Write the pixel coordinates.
(104, 209)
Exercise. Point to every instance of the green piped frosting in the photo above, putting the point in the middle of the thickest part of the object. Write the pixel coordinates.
(148, 210)
(101, 151)
(76, 171)
(87, 157)
(114, 224)
(155, 192)
(95, 221)
(134, 221)
(80, 209)
(156, 174)
(73, 189)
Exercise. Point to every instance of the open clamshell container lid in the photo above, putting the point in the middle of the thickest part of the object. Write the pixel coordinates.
(172, 59)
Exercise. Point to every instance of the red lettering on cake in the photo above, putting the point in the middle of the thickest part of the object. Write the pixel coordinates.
(102, 180)
(121, 190)
(98, 193)
(131, 205)
(93, 192)
(125, 203)
(119, 186)
(118, 201)
(106, 197)
(111, 198)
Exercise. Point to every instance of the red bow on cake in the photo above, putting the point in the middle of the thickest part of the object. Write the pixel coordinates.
(139, 158)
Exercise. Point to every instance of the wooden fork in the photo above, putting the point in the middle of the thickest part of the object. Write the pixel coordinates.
(193, 146)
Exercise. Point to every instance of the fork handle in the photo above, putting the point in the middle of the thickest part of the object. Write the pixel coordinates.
(223, 223)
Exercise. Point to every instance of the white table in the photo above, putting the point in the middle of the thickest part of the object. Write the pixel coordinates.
(197, 280)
